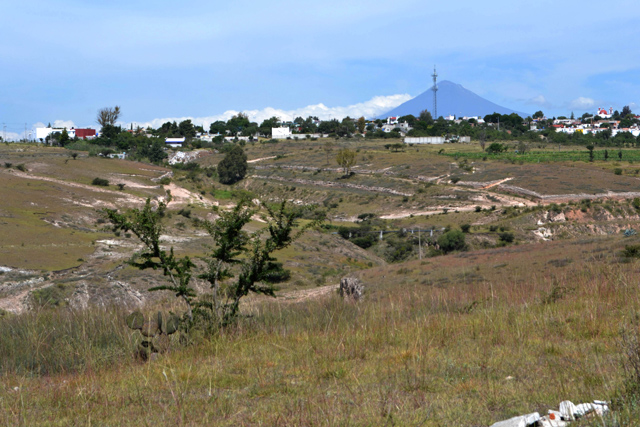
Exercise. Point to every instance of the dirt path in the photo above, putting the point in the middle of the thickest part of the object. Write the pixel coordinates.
(128, 197)
(261, 159)
(305, 294)
(493, 184)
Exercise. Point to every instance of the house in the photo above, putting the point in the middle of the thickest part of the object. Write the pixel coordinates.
(87, 133)
(280, 133)
(175, 142)
(43, 133)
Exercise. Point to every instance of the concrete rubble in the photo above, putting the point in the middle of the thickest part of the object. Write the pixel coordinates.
(567, 412)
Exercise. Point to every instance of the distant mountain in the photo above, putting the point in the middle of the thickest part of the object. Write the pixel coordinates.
(453, 99)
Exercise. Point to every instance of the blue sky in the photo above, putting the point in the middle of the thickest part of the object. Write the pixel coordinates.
(63, 60)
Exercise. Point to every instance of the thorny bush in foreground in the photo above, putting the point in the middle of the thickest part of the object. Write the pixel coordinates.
(238, 262)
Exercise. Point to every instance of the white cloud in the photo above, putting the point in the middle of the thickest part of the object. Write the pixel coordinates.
(63, 124)
(538, 100)
(12, 136)
(371, 108)
(59, 124)
(582, 103)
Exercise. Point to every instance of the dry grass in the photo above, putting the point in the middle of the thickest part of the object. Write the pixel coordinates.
(416, 351)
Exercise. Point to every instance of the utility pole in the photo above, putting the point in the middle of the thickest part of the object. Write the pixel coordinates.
(435, 93)
(4, 132)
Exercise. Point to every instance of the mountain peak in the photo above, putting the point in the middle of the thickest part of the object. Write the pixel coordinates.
(453, 99)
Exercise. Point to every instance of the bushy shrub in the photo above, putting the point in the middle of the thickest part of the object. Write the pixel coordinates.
(100, 181)
(506, 237)
(452, 240)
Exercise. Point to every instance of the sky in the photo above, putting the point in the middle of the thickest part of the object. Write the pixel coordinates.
(62, 60)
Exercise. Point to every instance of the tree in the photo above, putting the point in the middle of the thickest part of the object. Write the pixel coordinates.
(452, 240)
(64, 138)
(538, 114)
(233, 167)
(108, 116)
(218, 127)
(425, 116)
(482, 138)
(346, 158)
(237, 123)
(496, 148)
(268, 124)
(410, 119)
(362, 123)
(239, 262)
(185, 128)
(626, 110)
(590, 147)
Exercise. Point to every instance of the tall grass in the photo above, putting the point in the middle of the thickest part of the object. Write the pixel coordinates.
(47, 341)
(411, 353)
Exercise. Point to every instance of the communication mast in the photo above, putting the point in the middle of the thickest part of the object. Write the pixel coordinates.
(435, 93)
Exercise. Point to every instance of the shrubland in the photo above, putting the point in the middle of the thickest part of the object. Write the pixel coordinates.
(491, 323)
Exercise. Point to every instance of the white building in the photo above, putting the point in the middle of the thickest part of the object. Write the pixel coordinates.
(281, 133)
(602, 112)
(175, 142)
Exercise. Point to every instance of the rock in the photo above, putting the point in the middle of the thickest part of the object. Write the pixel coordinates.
(519, 421)
(351, 287)
(557, 218)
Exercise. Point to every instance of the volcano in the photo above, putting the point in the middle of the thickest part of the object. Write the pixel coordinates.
(453, 99)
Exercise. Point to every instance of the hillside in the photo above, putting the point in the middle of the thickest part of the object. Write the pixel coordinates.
(453, 99)
(540, 307)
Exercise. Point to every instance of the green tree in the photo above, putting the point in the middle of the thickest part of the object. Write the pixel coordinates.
(185, 128)
(238, 263)
(154, 151)
(268, 124)
(496, 148)
(346, 158)
(452, 240)
(64, 138)
(237, 123)
(590, 147)
(538, 114)
(425, 116)
(233, 167)
(218, 127)
(362, 123)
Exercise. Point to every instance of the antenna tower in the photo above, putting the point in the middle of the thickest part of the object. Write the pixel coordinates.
(435, 93)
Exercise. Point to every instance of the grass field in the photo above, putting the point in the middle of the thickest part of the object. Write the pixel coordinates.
(468, 338)
(433, 343)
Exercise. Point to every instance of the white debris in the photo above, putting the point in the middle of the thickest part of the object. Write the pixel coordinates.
(5, 269)
(567, 412)
(520, 421)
